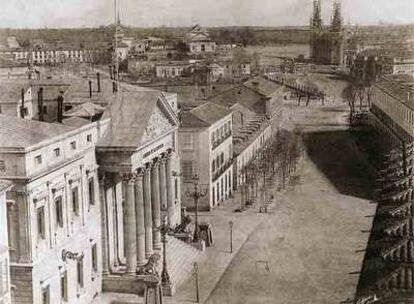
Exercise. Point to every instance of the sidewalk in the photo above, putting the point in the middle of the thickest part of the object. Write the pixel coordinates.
(219, 256)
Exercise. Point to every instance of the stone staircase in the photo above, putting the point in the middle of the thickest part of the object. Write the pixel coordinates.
(180, 260)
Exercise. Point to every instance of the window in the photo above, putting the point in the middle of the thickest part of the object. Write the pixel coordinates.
(0, 109)
(38, 159)
(44, 109)
(79, 268)
(213, 166)
(218, 162)
(91, 191)
(45, 295)
(59, 211)
(56, 151)
(203, 48)
(222, 158)
(64, 286)
(94, 252)
(2, 165)
(41, 223)
(75, 201)
(188, 168)
(188, 141)
(73, 145)
(89, 138)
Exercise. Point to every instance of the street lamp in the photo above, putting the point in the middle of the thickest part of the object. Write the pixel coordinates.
(196, 194)
(164, 229)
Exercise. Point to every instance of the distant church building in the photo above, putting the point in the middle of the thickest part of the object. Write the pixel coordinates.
(327, 44)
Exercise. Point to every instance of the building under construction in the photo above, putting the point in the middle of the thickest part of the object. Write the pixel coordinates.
(327, 43)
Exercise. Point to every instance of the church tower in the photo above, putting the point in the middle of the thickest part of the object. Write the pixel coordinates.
(336, 21)
(316, 27)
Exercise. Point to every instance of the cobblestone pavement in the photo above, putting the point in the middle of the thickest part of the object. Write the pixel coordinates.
(310, 249)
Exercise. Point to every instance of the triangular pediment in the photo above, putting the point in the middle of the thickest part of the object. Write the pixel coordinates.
(159, 123)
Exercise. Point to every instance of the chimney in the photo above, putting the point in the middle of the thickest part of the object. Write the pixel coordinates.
(40, 103)
(98, 79)
(22, 106)
(60, 107)
(90, 88)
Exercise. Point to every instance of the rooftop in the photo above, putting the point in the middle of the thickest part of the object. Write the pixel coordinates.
(204, 115)
(23, 133)
(130, 115)
(400, 86)
(249, 98)
(262, 85)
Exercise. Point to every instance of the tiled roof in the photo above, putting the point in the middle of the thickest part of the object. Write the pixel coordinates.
(130, 115)
(22, 133)
(76, 122)
(209, 113)
(188, 119)
(262, 85)
(400, 86)
(243, 95)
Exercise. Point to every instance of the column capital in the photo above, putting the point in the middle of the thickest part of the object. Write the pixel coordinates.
(101, 178)
(155, 162)
(128, 177)
(140, 172)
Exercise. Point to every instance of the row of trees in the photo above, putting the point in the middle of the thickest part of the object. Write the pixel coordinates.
(271, 168)
(358, 96)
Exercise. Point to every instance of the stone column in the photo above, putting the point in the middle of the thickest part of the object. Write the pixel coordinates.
(148, 212)
(139, 217)
(163, 183)
(104, 223)
(170, 193)
(130, 246)
(156, 210)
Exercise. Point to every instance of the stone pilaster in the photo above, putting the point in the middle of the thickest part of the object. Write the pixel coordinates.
(148, 212)
(130, 246)
(140, 218)
(156, 207)
(104, 223)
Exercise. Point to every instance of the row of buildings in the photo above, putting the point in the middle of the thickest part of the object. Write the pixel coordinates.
(90, 168)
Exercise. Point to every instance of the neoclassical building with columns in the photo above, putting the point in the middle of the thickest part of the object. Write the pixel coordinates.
(139, 173)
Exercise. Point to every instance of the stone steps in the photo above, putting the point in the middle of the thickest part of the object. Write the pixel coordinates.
(180, 260)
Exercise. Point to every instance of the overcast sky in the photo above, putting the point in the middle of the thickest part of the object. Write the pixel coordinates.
(149, 13)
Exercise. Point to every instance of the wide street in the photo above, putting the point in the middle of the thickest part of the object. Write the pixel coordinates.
(310, 248)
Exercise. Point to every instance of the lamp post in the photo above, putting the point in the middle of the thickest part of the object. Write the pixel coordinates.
(165, 277)
(196, 194)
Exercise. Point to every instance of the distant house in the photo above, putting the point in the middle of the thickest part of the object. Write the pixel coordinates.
(172, 69)
(198, 41)
(229, 70)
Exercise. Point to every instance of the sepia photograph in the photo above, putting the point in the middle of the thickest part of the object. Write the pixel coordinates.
(214, 152)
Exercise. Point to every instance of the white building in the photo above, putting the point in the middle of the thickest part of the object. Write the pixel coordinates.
(54, 218)
(5, 290)
(392, 107)
(198, 41)
(172, 69)
(206, 150)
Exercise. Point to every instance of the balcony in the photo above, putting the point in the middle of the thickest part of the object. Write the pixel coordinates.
(221, 140)
(222, 169)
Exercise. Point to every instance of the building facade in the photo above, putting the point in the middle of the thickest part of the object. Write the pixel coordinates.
(206, 149)
(140, 181)
(327, 44)
(54, 217)
(5, 290)
(198, 41)
(392, 104)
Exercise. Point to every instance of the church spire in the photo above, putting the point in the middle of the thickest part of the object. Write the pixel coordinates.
(316, 21)
(336, 22)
